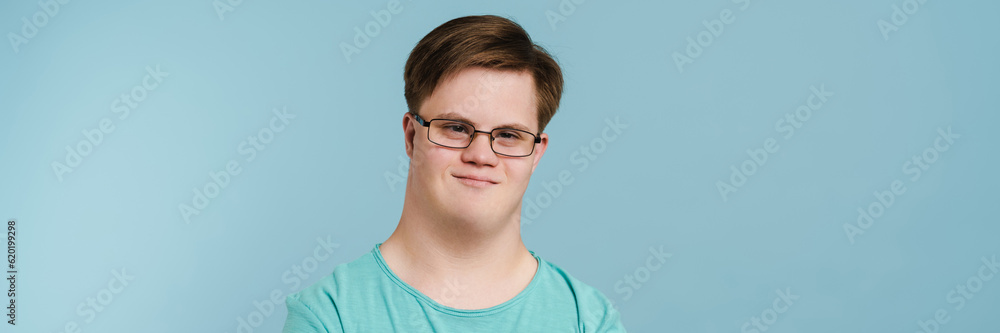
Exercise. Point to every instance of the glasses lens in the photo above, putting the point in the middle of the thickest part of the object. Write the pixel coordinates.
(513, 142)
(450, 133)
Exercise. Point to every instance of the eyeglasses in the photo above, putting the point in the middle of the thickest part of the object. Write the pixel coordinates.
(459, 134)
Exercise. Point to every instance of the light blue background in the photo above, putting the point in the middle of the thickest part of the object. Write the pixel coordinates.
(654, 185)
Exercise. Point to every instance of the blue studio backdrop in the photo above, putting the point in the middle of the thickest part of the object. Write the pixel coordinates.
(715, 166)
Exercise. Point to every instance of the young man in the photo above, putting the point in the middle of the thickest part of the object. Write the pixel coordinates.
(480, 94)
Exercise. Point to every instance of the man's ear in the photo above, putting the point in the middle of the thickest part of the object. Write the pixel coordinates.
(539, 150)
(409, 131)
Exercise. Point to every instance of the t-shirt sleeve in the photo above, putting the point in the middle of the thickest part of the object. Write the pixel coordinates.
(600, 315)
(611, 322)
(302, 319)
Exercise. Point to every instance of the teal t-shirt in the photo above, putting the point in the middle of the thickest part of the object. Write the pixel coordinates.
(364, 295)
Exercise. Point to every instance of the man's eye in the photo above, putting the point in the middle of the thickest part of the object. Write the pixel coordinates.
(512, 135)
(456, 128)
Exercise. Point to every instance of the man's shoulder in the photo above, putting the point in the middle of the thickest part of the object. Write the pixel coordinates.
(337, 300)
(584, 292)
(595, 309)
(346, 277)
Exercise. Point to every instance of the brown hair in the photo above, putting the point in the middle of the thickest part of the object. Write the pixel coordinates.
(486, 41)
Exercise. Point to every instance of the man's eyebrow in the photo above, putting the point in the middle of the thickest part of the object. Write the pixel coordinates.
(456, 116)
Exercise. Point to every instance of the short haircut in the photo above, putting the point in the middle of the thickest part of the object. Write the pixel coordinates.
(485, 41)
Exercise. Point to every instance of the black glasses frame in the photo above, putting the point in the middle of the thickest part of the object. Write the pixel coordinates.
(427, 123)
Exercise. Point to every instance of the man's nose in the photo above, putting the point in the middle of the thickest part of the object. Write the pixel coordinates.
(480, 150)
(485, 141)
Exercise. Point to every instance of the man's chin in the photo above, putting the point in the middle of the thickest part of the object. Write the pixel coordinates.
(473, 209)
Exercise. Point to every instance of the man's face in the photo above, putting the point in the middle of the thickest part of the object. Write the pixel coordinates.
(443, 180)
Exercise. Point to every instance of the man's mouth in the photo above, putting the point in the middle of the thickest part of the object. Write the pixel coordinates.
(478, 181)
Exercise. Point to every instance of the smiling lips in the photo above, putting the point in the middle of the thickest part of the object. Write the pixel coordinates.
(477, 181)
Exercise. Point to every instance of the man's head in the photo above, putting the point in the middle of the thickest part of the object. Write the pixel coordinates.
(484, 41)
(484, 71)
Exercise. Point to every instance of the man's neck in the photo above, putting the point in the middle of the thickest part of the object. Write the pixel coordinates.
(469, 264)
